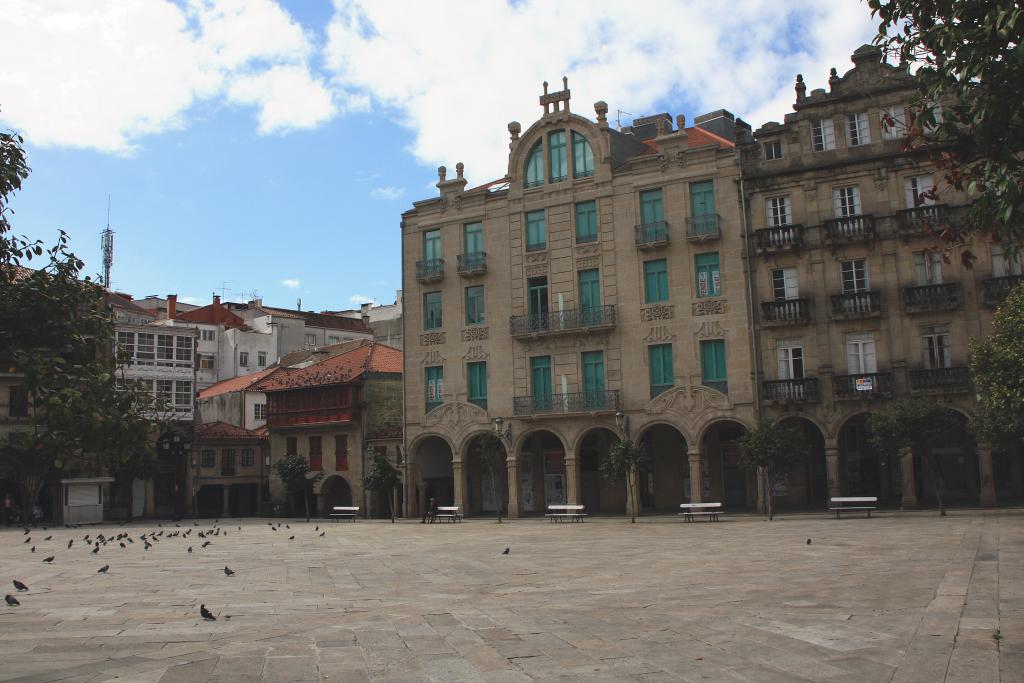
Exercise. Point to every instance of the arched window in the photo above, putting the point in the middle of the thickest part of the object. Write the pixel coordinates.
(535, 166)
(559, 158)
(583, 157)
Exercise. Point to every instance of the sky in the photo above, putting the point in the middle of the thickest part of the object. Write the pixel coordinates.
(269, 147)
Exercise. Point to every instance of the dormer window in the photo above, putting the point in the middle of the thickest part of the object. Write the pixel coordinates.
(559, 158)
(772, 150)
(583, 157)
(823, 136)
(535, 166)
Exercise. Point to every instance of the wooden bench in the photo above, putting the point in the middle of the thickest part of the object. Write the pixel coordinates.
(449, 513)
(709, 510)
(866, 504)
(344, 512)
(558, 513)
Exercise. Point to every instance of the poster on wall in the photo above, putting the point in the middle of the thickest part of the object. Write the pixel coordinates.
(526, 484)
(554, 489)
(487, 497)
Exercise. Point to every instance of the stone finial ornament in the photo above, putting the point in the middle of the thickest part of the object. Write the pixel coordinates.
(662, 126)
(681, 122)
(833, 78)
(459, 168)
(441, 173)
(556, 101)
(514, 129)
(601, 109)
(801, 88)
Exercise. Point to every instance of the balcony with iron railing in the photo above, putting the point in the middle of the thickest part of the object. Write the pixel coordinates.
(922, 219)
(779, 238)
(786, 312)
(719, 385)
(850, 229)
(572, 321)
(994, 290)
(566, 404)
(864, 385)
(703, 228)
(473, 263)
(864, 304)
(803, 390)
(650, 235)
(430, 270)
(941, 297)
(940, 380)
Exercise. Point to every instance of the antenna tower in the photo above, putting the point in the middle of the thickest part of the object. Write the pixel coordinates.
(107, 248)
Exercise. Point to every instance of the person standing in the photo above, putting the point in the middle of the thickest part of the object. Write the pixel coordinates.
(430, 512)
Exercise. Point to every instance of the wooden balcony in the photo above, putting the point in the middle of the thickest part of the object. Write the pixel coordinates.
(996, 289)
(850, 229)
(779, 238)
(566, 404)
(298, 417)
(803, 390)
(865, 385)
(703, 228)
(572, 321)
(786, 312)
(651, 235)
(924, 298)
(850, 305)
(940, 380)
(471, 264)
(430, 270)
(922, 220)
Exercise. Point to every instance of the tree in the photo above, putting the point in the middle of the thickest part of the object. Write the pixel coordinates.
(922, 425)
(969, 114)
(623, 462)
(772, 451)
(383, 476)
(294, 472)
(997, 367)
(492, 457)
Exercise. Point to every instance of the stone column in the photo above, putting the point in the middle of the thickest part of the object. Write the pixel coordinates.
(832, 471)
(149, 506)
(572, 479)
(512, 467)
(460, 487)
(411, 487)
(696, 476)
(907, 477)
(988, 483)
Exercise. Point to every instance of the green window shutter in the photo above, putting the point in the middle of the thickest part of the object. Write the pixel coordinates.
(712, 364)
(655, 281)
(651, 209)
(662, 376)
(536, 231)
(540, 382)
(709, 279)
(477, 375)
(432, 310)
(537, 291)
(473, 238)
(590, 289)
(474, 305)
(559, 158)
(586, 221)
(535, 166)
(593, 372)
(583, 156)
(704, 220)
(434, 386)
(431, 245)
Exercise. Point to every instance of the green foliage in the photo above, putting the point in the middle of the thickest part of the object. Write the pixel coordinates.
(772, 451)
(997, 366)
(293, 470)
(382, 476)
(968, 58)
(623, 462)
(920, 424)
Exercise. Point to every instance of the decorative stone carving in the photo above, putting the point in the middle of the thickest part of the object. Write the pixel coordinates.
(452, 201)
(710, 330)
(537, 257)
(454, 414)
(679, 158)
(659, 333)
(811, 192)
(694, 398)
(703, 398)
(666, 400)
(431, 338)
(709, 307)
(657, 312)
(589, 262)
(588, 250)
(475, 353)
(475, 334)
(536, 271)
(432, 358)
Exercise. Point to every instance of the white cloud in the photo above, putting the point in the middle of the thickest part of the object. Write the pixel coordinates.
(388, 192)
(194, 300)
(457, 73)
(291, 283)
(288, 98)
(358, 299)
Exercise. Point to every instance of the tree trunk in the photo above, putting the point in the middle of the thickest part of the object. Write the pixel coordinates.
(632, 491)
(768, 496)
(391, 503)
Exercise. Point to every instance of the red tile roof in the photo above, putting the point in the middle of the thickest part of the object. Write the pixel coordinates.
(235, 384)
(222, 431)
(213, 314)
(695, 137)
(326, 320)
(365, 356)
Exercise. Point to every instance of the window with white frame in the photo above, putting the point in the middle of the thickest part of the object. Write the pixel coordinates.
(206, 361)
(310, 341)
(259, 411)
(772, 150)
(918, 191)
(860, 353)
(333, 339)
(126, 346)
(858, 132)
(165, 390)
(927, 268)
(892, 121)
(778, 212)
(784, 284)
(145, 348)
(1005, 260)
(846, 201)
(183, 395)
(243, 358)
(208, 335)
(165, 349)
(183, 351)
(261, 359)
(791, 359)
(935, 346)
(855, 275)
(823, 135)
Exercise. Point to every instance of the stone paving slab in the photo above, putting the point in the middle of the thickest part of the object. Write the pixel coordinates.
(901, 597)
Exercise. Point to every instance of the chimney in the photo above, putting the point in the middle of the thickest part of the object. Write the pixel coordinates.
(172, 306)
(216, 300)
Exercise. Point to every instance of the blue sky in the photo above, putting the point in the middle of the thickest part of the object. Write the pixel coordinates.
(271, 146)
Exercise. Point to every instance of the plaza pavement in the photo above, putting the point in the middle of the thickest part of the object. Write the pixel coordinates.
(901, 597)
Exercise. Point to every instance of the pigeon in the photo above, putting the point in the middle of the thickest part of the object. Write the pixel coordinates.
(322, 534)
(206, 614)
(206, 543)
(239, 528)
(291, 538)
(228, 571)
(103, 569)
(506, 551)
(808, 541)
(190, 548)
(95, 550)
(317, 528)
(287, 526)
(70, 543)
(33, 548)
(28, 540)
(11, 600)
(20, 586)
(48, 538)
(122, 545)
(49, 559)
(27, 530)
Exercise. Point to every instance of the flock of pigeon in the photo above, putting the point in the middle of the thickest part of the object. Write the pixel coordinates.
(148, 539)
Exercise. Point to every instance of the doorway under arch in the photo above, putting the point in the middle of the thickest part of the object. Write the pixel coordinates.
(542, 476)
(665, 483)
(483, 498)
(725, 478)
(597, 493)
(806, 487)
(433, 459)
(334, 492)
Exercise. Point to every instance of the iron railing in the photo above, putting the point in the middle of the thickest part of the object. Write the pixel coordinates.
(922, 218)
(786, 311)
(471, 263)
(850, 229)
(942, 297)
(572, 320)
(864, 385)
(791, 390)
(856, 304)
(996, 289)
(940, 380)
(779, 237)
(720, 386)
(651, 234)
(579, 402)
(430, 269)
(703, 227)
